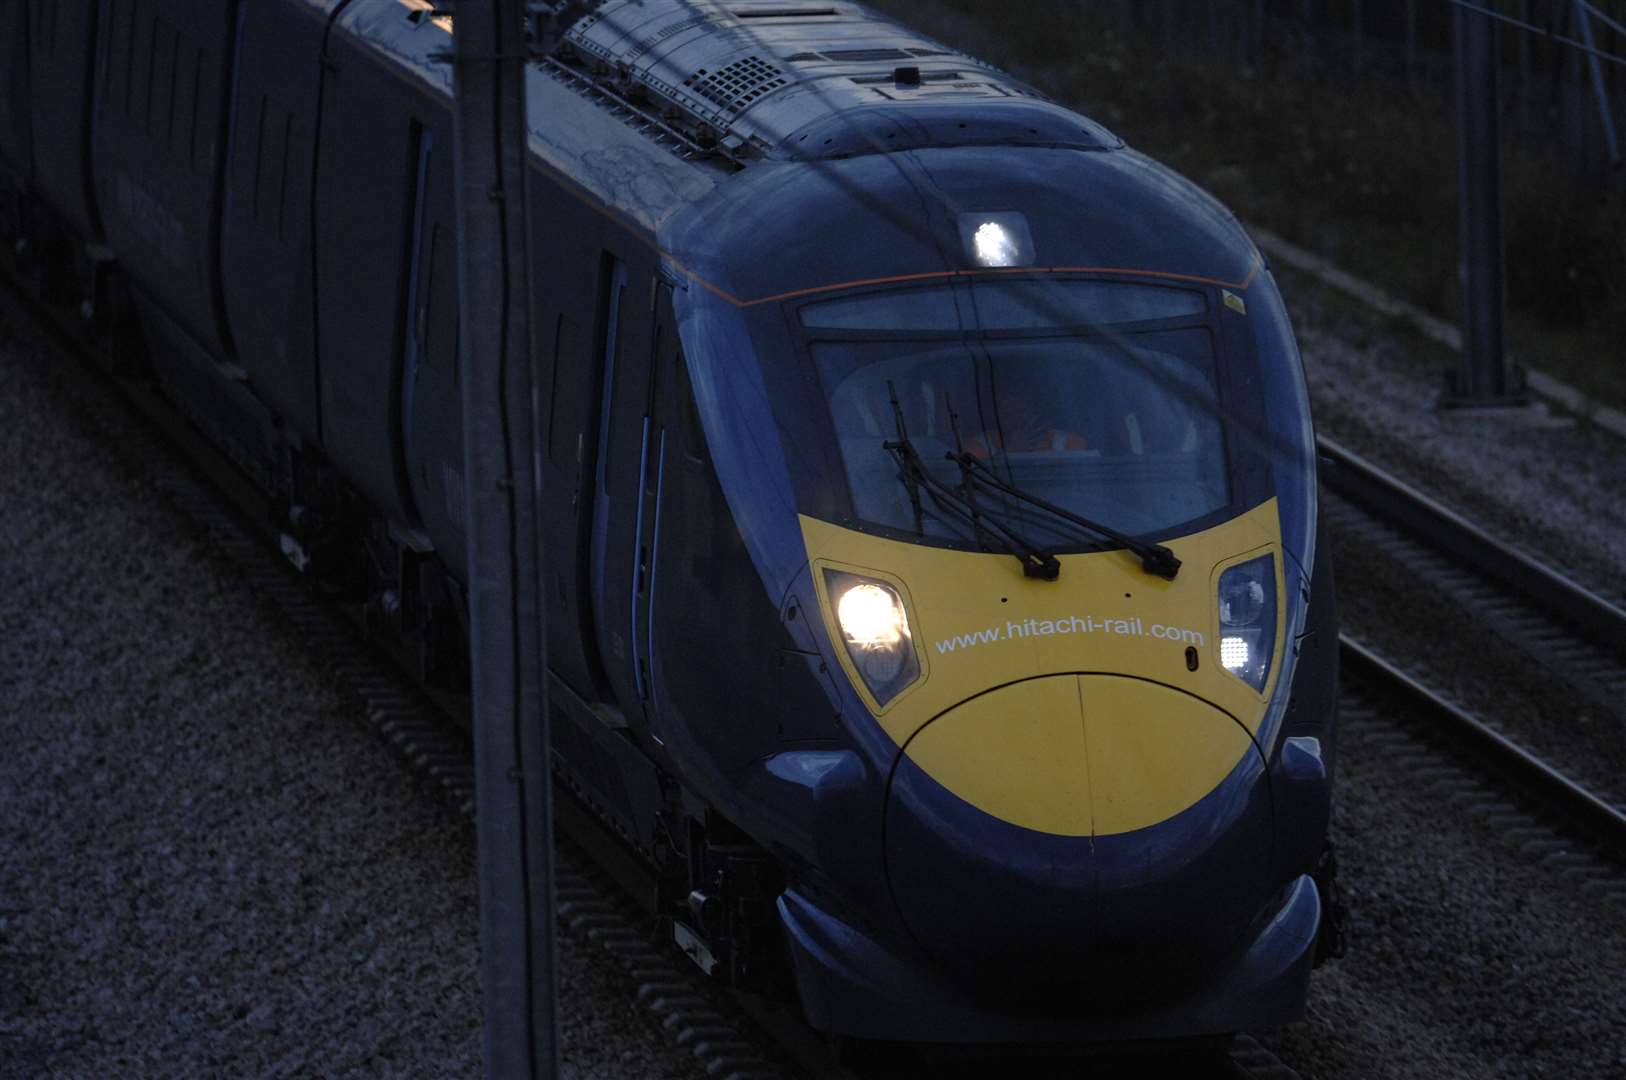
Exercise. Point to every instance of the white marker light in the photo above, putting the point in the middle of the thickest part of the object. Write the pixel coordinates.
(871, 617)
(1234, 653)
(1247, 619)
(997, 238)
(994, 245)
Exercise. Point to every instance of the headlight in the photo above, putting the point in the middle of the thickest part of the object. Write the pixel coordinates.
(1247, 615)
(875, 630)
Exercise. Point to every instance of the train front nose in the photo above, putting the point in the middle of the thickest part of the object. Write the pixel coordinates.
(1111, 829)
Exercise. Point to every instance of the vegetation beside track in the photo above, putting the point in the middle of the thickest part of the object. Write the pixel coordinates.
(1362, 172)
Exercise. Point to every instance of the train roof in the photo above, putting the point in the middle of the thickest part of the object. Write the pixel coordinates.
(800, 80)
(650, 104)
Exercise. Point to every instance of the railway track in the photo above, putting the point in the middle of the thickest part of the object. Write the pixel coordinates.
(1571, 633)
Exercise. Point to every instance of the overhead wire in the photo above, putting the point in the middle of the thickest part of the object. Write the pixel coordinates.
(1603, 17)
(1560, 39)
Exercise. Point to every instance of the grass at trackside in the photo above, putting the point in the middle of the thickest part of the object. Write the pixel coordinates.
(1363, 174)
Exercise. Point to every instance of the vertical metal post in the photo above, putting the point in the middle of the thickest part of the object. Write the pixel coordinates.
(1411, 39)
(1484, 378)
(507, 631)
(1570, 114)
(1307, 37)
(1525, 76)
(1600, 91)
(1358, 18)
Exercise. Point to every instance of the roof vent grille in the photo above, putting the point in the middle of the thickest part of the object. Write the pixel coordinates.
(738, 85)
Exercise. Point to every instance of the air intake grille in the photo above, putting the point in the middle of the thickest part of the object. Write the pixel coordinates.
(738, 85)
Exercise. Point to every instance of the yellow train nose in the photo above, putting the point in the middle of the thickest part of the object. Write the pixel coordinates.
(1050, 814)
(1081, 755)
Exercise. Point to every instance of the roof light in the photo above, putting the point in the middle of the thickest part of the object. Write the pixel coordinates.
(993, 243)
(997, 239)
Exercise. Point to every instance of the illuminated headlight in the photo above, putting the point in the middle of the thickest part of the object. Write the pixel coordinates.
(993, 245)
(875, 630)
(1000, 239)
(1247, 615)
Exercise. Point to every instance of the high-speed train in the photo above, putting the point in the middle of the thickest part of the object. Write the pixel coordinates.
(937, 608)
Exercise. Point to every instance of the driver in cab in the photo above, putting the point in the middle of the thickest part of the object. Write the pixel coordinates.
(1029, 422)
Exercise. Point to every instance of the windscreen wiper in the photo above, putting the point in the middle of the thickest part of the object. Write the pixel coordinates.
(1036, 562)
(1155, 558)
(909, 476)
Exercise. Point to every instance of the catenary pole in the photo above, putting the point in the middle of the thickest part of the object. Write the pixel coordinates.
(502, 481)
(1600, 89)
(1484, 378)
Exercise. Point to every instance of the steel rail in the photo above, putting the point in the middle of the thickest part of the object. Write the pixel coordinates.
(1566, 602)
(1562, 599)
(1596, 817)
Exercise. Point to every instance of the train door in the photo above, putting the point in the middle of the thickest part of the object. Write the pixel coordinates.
(61, 49)
(16, 153)
(157, 152)
(661, 418)
(566, 290)
(626, 476)
(431, 385)
(266, 243)
(378, 143)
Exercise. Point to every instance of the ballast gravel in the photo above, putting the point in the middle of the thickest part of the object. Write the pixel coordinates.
(208, 867)
(1472, 953)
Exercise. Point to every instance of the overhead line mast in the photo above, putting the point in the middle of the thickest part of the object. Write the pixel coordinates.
(1485, 379)
(507, 628)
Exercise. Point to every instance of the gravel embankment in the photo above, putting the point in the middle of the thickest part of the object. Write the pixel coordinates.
(208, 867)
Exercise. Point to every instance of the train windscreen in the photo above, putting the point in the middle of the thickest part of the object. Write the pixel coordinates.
(1100, 397)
